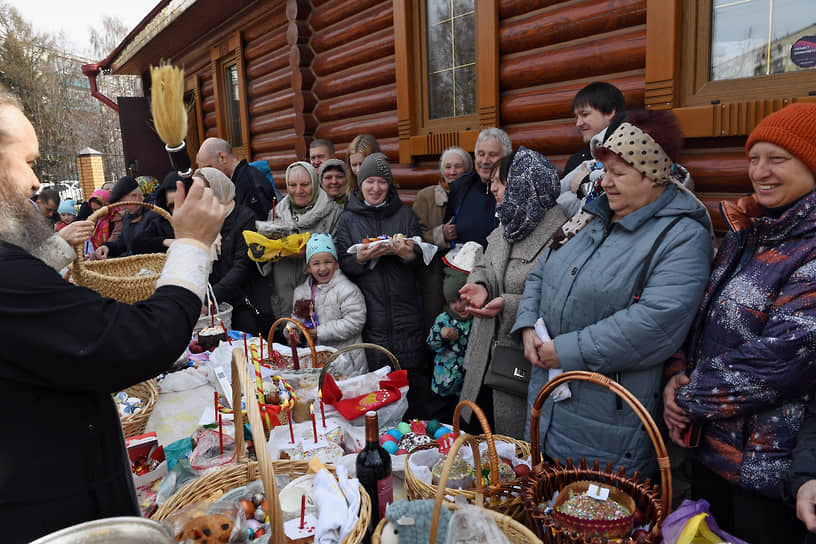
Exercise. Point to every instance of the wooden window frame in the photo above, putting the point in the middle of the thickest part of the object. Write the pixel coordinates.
(678, 34)
(416, 135)
(223, 54)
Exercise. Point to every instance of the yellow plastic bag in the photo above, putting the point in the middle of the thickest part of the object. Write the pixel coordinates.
(696, 531)
(263, 250)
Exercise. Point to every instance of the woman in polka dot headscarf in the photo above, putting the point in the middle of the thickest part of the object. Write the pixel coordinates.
(617, 290)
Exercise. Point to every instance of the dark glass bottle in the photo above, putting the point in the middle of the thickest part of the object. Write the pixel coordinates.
(374, 472)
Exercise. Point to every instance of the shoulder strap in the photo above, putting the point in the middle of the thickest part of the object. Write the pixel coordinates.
(641, 281)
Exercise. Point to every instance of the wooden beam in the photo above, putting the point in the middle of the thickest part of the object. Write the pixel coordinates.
(404, 65)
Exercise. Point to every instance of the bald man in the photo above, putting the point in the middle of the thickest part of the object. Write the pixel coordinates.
(252, 189)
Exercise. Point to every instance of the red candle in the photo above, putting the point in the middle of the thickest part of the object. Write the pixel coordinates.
(226, 332)
(322, 413)
(212, 315)
(221, 433)
(215, 406)
(293, 343)
(302, 510)
(291, 429)
(314, 422)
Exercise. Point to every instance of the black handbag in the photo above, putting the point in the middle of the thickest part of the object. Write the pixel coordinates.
(508, 371)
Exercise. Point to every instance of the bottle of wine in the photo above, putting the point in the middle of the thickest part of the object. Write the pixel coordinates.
(374, 471)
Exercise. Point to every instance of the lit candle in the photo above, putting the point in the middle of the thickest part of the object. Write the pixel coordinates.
(314, 423)
(302, 510)
(226, 332)
(293, 343)
(322, 410)
(291, 429)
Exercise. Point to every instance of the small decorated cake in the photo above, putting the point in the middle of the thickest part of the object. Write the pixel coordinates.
(411, 441)
(462, 475)
(210, 337)
(506, 472)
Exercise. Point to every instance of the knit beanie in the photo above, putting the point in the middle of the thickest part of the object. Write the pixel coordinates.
(791, 128)
(67, 206)
(452, 282)
(377, 165)
(101, 195)
(320, 243)
(122, 188)
(331, 163)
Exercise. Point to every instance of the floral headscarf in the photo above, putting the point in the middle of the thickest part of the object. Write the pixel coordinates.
(532, 189)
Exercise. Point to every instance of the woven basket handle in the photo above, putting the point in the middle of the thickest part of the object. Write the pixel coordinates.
(303, 331)
(351, 347)
(443, 479)
(491, 443)
(105, 210)
(631, 400)
(242, 381)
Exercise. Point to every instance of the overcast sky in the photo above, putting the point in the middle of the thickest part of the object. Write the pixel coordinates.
(74, 17)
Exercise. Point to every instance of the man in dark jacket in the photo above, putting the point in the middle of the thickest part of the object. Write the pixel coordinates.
(252, 189)
(56, 376)
(471, 212)
(143, 230)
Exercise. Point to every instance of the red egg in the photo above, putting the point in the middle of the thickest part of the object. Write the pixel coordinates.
(401, 451)
(247, 507)
(639, 518)
(521, 470)
(387, 438)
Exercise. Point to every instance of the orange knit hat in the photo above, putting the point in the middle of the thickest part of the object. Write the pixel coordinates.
(792, 128)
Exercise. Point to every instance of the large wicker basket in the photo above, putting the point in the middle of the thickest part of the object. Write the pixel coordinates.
(243, 472)
(502, 497)
(134, 424)
(512, 529)
(546, 479)
(118, 278)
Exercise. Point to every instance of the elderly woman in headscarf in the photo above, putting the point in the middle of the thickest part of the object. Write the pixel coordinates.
(617, 289)
(525, 185)
(387, 274)
(305, 208)
(232, 270)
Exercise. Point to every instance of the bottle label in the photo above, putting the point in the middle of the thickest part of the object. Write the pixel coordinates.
(385, 494)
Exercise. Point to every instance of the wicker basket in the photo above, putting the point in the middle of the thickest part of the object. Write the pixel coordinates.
(118, 278)
(546, 479)
(243, 472)
(512, 529)
(319, 358)
(134, 424)
(502, 497)
(351, 347)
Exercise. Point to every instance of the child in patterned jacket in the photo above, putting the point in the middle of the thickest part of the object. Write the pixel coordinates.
(448, 340)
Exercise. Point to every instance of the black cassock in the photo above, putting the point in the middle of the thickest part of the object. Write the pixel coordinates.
(65, 349)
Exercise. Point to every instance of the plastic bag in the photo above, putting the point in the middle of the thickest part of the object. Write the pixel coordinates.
(179, 475)
(262, 249)
(208, 451)
(692, 523)
(471, 524)
(219, 521)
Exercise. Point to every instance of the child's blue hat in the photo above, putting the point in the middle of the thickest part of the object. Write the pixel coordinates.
(320, 243)
(67, 206)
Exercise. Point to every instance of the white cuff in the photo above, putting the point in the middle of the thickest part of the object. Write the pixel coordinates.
(64, 251)
(188, 265)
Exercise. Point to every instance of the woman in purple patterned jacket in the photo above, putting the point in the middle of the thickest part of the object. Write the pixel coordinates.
(752, 349)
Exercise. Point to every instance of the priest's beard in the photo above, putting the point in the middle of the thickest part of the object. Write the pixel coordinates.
(22, 224)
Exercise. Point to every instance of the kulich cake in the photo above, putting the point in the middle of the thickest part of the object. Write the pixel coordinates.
(411, 441)
(506, 472)
(210, 337)
(462, 475)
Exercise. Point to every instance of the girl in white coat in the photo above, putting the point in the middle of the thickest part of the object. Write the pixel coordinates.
(339, 310)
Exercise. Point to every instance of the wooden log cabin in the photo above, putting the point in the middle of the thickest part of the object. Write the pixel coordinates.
(271, 75)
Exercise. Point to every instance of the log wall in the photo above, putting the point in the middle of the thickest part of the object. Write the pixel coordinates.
(326, 69)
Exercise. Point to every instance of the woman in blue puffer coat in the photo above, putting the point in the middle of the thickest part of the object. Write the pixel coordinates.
(583, 288)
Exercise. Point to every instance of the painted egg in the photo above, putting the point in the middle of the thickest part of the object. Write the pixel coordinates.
(391, 447)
